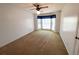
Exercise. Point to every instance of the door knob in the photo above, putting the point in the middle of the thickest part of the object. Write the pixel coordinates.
(77, 37)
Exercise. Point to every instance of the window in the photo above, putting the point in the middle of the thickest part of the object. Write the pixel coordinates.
(46, 22)
(53, 23)
(39, 23)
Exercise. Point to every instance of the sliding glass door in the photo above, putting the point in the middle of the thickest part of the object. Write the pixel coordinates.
(46, 22)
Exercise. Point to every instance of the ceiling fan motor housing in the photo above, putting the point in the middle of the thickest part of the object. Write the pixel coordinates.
(38, 8)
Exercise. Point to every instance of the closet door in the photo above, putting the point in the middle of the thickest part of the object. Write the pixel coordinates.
(77, 40)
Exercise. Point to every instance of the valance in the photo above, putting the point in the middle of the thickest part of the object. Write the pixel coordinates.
(49, 16)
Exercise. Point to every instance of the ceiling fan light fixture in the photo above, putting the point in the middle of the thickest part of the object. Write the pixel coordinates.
(38, 12)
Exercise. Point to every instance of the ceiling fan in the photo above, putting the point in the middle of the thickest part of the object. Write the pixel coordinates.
(39, 7)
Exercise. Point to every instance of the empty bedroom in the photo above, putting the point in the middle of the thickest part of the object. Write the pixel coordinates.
(39, 28)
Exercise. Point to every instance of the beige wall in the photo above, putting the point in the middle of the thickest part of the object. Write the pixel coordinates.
(58, 17)
(69, 18)
(14, 23)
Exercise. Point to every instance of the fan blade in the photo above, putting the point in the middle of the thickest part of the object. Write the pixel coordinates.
(35, 5)
(44, 7)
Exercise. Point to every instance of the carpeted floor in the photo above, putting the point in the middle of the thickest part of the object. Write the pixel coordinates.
(41, 42)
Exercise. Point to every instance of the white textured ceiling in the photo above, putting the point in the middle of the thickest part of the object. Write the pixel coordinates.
(52, 7)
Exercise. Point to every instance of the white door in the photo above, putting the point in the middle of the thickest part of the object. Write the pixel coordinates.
(77, 40)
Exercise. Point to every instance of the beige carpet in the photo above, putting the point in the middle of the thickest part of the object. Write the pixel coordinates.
(41, 42)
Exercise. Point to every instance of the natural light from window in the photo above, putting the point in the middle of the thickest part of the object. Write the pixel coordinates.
(47, 23)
